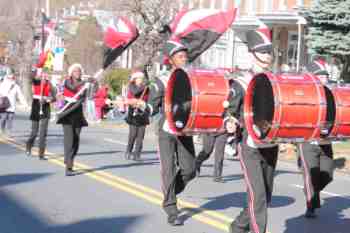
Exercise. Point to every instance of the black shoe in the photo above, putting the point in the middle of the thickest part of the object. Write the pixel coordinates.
(174, 220)
(310, 213)
(218, 179)
(69, 172)
(42, 157)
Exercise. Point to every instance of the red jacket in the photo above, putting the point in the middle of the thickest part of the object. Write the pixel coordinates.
(101, 96)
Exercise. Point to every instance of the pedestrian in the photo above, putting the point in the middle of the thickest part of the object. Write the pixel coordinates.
(258, 161)
(44, 93)
(211, 141)
(10, 89)
(316, 158)
(177, 153)
(136, 119)
(100, 101)
(72, 119)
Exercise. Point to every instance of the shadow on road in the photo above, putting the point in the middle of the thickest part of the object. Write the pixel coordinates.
(12, 179)
(237, 200)
(20, 218)
(330, 218)
(99, 153)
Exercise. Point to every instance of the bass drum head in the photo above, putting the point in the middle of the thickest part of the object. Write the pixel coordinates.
(331, 111)
(262, 105)
(181, 99)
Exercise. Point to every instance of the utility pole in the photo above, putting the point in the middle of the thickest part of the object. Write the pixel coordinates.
(47, 8)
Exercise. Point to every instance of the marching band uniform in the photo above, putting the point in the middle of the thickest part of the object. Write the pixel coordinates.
(136, 119)
(316, 158)
(258, 161)
(43, 94)
(177, 153)
(73, 118)
(211, 140)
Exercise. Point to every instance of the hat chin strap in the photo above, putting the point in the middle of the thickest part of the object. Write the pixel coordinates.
(260, 60)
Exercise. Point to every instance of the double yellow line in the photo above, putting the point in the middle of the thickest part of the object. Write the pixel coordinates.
(208, 217)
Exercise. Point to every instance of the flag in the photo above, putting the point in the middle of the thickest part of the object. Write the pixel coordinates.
(48, 33)
(198, 29)
(41, 60)
(119, 34)
(48, 30)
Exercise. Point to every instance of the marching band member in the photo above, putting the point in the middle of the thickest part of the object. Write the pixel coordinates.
(136, 119)
(73, 118)
(211, 140)
(316, 157)
(44, 94)
(177, 153)
(258, 161)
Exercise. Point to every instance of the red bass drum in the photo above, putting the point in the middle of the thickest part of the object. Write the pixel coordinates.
(194, 101)
(285, 108)
(339, 112)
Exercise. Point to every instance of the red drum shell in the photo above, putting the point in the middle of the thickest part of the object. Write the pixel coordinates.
(204, 91)
(284, 108)
(341, 127)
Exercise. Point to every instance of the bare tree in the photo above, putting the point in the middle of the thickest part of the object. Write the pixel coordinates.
(150, 16)
(19, 19)
(85, 47)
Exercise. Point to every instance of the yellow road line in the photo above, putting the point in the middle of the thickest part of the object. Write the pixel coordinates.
(100, 176)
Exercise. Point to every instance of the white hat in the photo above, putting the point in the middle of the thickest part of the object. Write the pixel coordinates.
(73, 67)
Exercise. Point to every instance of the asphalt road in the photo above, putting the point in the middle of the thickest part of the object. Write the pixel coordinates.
(112, 195)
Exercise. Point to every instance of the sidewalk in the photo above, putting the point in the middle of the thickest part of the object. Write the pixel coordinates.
(341, 152)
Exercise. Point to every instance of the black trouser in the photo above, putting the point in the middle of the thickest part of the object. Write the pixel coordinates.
(136, 136)
(209, 142)
(318, 167)
(258, 165)
(177, 167)
(71, 137)
(41, 127)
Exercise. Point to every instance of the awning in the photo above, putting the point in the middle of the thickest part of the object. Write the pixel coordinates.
(245, 23)
(281, 18)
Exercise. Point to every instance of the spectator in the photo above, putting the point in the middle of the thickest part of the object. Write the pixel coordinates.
(136, 119)
(11, 89)
(100, 101)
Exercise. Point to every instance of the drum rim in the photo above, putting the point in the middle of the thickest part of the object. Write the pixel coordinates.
(338, 112)
(277, 117)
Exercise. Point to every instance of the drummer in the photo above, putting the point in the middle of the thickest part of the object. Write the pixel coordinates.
(316, 158)
(177, 153)
(258, 161)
